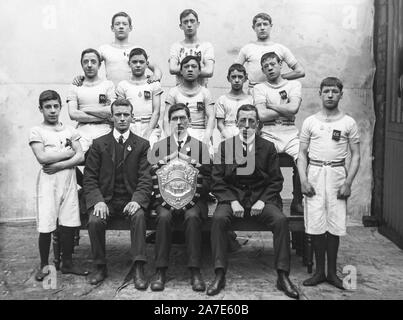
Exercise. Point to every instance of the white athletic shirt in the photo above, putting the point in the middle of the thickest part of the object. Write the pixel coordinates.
(322, 137)
(277, 94)
(140, 94)
(204, 50)
(116, 61)
(227, 107)
(53, 139)
(251, 54)
(197, 102)
(89, 93)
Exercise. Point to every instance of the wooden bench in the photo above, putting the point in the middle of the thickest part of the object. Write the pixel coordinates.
(299, 240)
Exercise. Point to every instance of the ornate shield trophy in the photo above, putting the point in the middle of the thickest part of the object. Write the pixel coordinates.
(177, 183)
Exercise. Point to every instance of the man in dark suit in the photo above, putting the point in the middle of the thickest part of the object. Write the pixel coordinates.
(117, 182)
(180, 144)
(247, 181)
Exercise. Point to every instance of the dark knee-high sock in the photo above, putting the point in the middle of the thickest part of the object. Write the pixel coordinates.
(332, 250)
(44, 247)
(319, 243)
(67, 243)
(319, 246)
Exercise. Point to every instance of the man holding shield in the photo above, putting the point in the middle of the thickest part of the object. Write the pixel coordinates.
(181, 172)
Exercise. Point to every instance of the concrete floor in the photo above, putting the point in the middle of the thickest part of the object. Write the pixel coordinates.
(379, 265)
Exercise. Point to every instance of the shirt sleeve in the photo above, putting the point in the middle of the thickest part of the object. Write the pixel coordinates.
(353, 132)
(288, 57)
(35, 135)
(220, 109)
(208, 99)
(101, 51)
(72, 94)
(157, 89)
(241, 59)
(258, 95)
(208, 52)
(121, 90)
(296, 90)
(75, 135)
(305, 134)
(170, 98)
(174, 52)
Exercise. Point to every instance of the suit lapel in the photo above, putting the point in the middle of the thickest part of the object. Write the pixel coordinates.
(110, 146)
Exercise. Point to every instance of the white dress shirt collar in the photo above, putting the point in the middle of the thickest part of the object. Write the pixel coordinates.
(117, 134)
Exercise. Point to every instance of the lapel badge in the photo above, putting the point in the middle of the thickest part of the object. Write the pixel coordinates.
(129, 148)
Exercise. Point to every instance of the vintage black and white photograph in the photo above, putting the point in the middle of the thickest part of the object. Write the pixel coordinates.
(200, 150)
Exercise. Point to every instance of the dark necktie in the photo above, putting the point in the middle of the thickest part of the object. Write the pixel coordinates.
(245, 148)
(180, 145)
(121, 140)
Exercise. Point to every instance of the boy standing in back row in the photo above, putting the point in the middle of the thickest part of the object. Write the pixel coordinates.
(251, 53)
(191, 46)
(117, 53)
(325, 139)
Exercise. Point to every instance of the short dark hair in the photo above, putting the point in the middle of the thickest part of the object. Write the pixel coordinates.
(49, 95)
(121, 102)
(248, 107)
(121, 14)
(188, 58)
(138, 52)
(186, 12)
(236, 67)
(263, 16)
(331, 82)
(269, 55)
(90, 50)
(177, 107)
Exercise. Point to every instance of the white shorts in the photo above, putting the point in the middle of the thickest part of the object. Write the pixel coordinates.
(285, 138)
(91, 131)
(324, 212)
(57, 198)
(139, 128)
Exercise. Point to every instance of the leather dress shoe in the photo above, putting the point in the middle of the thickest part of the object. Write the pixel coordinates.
(196, 281)
(316, 279)
(69, 268)
(284, 284)
(216, 286)
(335, 281)
(40, 275)
(158, 283)
(139, 279)
(98, 275)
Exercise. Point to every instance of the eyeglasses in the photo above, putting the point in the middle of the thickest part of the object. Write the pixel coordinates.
(181, 119)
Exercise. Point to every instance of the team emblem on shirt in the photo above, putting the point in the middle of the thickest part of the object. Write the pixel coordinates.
(102, 99)
(200, 106)
(336, 135)
(147, 94)
(283, 95)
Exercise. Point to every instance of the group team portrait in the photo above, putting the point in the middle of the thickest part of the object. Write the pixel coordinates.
(179, 134)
